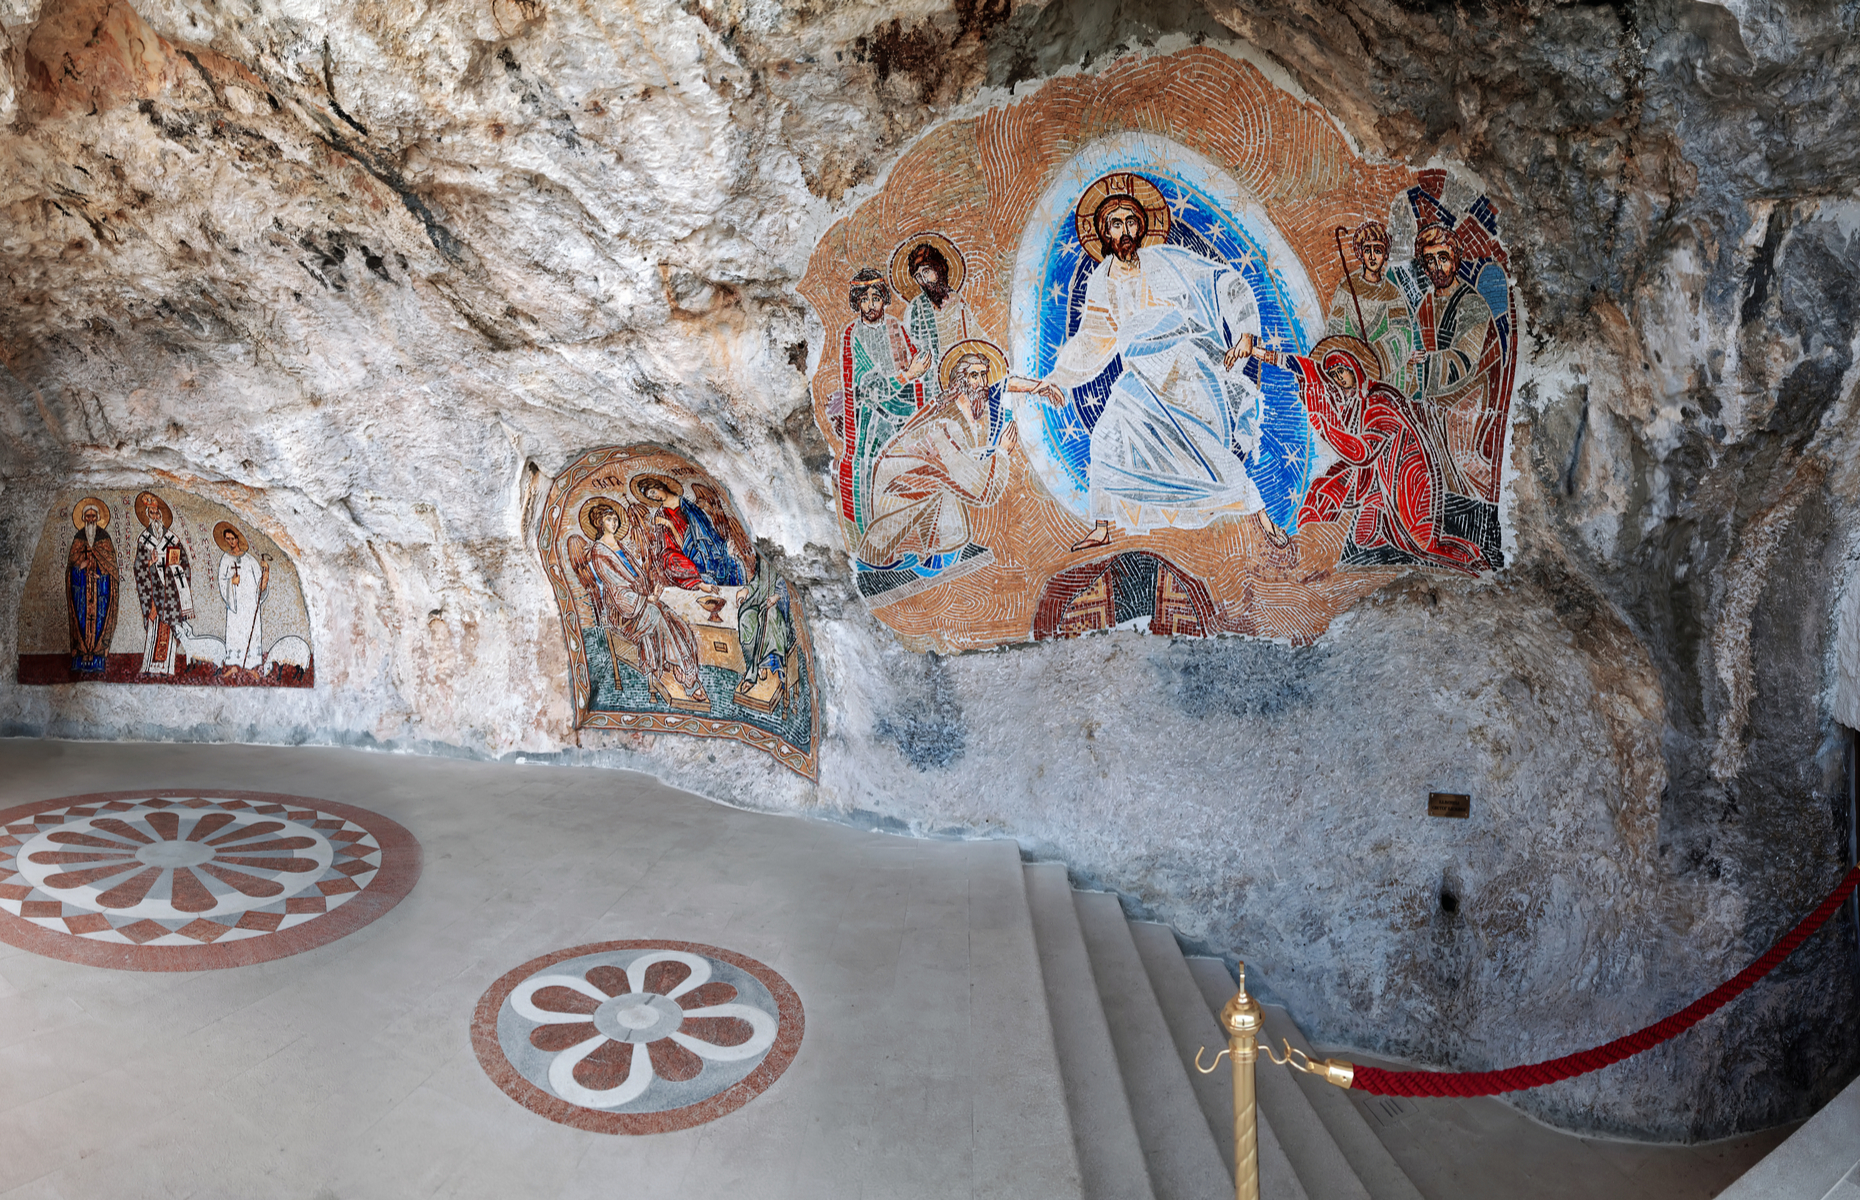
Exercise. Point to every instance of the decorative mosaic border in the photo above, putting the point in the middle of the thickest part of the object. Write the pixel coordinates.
(791, 1021)
(398, 872)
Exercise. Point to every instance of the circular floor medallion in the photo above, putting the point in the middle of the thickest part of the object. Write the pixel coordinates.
(192, 880)
(639, 1036)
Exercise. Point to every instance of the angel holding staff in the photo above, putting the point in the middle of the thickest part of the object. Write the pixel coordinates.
(624, 575)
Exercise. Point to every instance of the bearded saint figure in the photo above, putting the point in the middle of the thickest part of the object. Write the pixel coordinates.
(941, 465)
(937, 317)
(1456, 363)
(1388, 486)
(90, 587)
(879, 388)
(163, 584)
(1176, 429)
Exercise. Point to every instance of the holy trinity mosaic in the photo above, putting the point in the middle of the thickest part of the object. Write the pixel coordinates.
(675, 621)
(1155, 349)
(152, 584)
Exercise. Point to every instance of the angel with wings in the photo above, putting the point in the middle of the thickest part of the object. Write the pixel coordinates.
(696, 556)
(624, 573)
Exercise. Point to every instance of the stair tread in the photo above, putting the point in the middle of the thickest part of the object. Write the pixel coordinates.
(1375, 1170)
(1023, 1133)
(1104, 1132)
(1314, 1154)
(1183, 1159)
(1193, 1027)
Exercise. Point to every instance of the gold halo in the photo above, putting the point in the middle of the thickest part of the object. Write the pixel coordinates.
(586, 516)
(997, 361)
(638, 486)
(1121, 183)
(77, 513)
(1356, 348)
(221, 530)
(901, 281)
(167, 514)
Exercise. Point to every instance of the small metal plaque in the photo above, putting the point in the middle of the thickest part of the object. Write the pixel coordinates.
(1448, 804)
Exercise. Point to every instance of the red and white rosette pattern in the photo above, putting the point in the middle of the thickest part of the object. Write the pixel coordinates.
(187, 881)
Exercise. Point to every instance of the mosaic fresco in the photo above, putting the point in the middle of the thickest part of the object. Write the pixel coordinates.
(1155, 349)
(637, 1036)
(157, 585)
(186, 881)
(675, 622)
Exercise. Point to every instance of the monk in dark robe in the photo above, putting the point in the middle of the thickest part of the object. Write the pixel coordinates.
(90, 587)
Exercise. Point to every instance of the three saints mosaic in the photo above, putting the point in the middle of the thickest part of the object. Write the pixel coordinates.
(157, 585)
(675, 620)
(1154, 349)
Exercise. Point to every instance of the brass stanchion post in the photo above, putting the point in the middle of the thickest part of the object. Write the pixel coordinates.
(1242, 1019)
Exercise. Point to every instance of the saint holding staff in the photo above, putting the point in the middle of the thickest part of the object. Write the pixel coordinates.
(244, 581)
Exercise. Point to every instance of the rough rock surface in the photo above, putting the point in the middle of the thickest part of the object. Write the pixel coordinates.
(372, 271)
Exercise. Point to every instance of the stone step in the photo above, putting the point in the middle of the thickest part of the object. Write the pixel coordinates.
(1023, 1132)
(1816, 1162)
(1368, 1161)
(1103, 1130)
(1182, 1157)
(1193, 1028)
(1314, 1154)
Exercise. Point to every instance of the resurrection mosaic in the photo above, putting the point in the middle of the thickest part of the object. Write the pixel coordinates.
(637, 1036)
(193, 881)
(157, 585)
(675, 622)
(1155, 349)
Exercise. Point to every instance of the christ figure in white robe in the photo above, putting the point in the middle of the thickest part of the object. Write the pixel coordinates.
(1172, 443)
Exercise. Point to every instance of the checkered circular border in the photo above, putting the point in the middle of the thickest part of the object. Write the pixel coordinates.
(399, 871)
(791, 1023)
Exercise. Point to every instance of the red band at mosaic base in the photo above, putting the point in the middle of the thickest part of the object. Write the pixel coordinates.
(637, 1036)
(193, 880)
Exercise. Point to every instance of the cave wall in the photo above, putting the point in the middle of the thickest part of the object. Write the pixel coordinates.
(371, 276)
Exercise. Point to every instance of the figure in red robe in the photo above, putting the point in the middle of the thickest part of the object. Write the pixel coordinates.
(696, 555)
(1388, 486)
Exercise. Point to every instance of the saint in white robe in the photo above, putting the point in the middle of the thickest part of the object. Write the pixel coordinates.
(239, 591)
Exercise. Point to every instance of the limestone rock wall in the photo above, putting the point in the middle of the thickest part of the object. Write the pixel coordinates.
(370, 274)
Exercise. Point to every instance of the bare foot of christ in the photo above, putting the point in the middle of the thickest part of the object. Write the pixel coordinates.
(1100, 535)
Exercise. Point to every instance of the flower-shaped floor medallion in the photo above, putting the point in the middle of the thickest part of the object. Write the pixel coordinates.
(190, 881)
(638, 1036)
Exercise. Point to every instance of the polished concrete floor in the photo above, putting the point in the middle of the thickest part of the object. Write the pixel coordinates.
(348, 1070)
(1472, 1149)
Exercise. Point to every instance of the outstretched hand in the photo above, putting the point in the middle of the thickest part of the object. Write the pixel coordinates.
(1239, 350)
(1047, 392)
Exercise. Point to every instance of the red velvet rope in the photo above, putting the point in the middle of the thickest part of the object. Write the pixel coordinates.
(1512, 1079)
